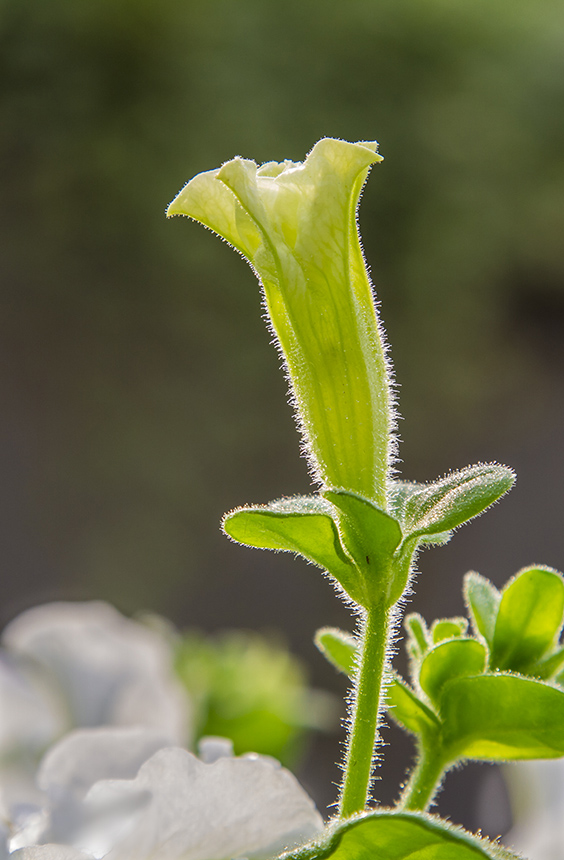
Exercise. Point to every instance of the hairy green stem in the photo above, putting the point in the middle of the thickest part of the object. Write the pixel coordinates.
(365, 712)
(426, 777)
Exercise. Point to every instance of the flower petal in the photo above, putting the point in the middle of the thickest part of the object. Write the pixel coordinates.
(111, 670)
(235, 807)
(212, 204)
(296, 224)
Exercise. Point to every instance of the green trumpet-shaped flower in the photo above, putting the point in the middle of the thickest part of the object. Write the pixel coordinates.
(296, 225)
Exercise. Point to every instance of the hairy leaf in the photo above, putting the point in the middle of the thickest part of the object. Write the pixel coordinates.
(390, 835)
(338, 647)
(419, 640)
(529, 618)
(430, 509)
(482, 599)
(407, 709)
(451, 659)
(498, 717)
(446, 628)
(300, 524)
(550, 666)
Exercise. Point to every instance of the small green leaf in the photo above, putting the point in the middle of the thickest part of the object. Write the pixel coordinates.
(419, 639)
(560, 679)
(387, 835)
(445, 504)
(549, 666)
(300, 524)
(498, 717)
(529, 618)
(338, 647)
(447, 628)
(370, 536)
(482, 599)
(451, 659)
(407, 709)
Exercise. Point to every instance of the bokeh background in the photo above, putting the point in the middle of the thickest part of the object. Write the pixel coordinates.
(140, 397)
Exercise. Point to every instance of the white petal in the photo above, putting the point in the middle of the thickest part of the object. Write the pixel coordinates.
(113, 671)
(3, 840)
(86, 756)
(211, 748)
(235, 807)
(537, 793)
(81, 759)
(30, 715)
(48, 852)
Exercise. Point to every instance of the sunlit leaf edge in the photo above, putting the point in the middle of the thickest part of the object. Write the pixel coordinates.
(405, 491)
(329, 841)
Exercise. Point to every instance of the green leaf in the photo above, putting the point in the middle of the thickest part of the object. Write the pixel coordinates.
(370, 536)
(549, 666)
(447, 628)
(407, 709)
(419, 640)
(338, 647)
(391, 835)
(498, 717)
(482, 599)
(451, 659)
(398, 494)
(429, 509)
(296, 224)
(529, 618)
(300, 524)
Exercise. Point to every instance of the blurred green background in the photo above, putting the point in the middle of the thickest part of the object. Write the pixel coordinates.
(140, 396)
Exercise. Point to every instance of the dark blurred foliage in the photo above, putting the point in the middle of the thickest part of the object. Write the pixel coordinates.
(140, 396)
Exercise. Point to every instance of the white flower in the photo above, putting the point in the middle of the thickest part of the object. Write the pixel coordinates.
(68, 665)
(537, 793)
(31, 712)
(110, 670)
(177, 806)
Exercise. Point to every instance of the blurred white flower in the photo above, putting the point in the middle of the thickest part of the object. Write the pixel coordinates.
(536, 789)
(111, 670)
(68, 665)
(68, 771)
(30, 712)
(177, 806)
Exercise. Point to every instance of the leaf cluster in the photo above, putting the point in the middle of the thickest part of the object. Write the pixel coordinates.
(489, 690)
(366, 550)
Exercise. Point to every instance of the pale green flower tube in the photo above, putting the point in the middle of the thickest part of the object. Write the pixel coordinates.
(296, 225)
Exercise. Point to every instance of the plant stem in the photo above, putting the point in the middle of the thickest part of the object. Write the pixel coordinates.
(365, 711)
(426, 776)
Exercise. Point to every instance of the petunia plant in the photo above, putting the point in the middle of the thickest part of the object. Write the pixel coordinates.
(296, 224)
